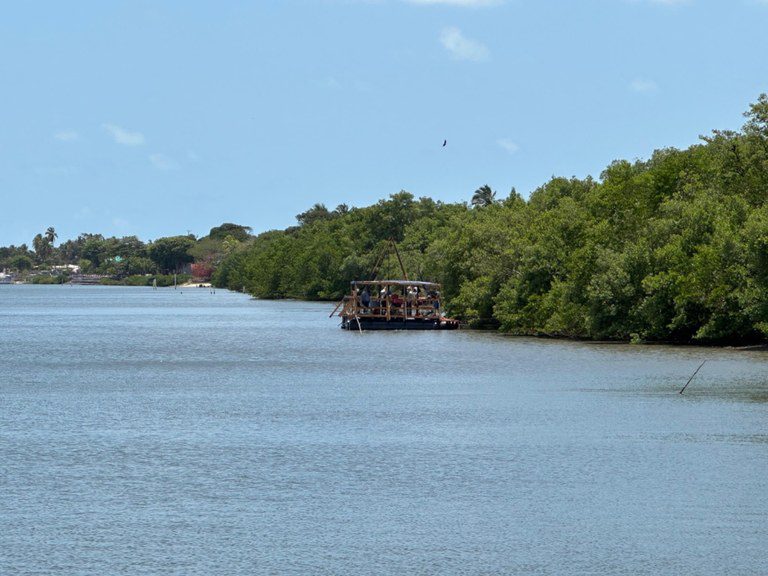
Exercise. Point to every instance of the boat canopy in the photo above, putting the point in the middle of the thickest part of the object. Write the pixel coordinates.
(418, 283)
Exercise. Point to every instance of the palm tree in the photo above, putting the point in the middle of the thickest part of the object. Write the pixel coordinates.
(483, 196)
(37, 244)
(51, 235)
(42, 247)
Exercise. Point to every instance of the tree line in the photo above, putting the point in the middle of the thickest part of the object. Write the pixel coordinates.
(673, 248)
(126, 260)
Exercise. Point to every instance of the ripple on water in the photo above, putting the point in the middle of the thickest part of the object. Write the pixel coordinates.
(155, 432)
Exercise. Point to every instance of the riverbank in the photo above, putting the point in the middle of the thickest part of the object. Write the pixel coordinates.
(160, 280)
(166, 281)
(497, 328)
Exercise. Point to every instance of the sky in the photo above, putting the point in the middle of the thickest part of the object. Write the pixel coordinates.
(156, 118)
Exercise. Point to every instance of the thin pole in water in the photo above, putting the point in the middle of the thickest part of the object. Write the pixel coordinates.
(337, 307)
(692, 376)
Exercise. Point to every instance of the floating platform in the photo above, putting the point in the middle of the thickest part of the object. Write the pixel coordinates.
(394, 305)
(363, 323)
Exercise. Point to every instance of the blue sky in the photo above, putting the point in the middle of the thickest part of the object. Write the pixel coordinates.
(156, 118)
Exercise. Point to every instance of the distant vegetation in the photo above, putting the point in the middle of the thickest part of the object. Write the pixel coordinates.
(125, 260)
(674, 248)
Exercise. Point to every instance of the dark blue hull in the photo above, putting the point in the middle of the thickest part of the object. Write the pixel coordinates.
(363, 323)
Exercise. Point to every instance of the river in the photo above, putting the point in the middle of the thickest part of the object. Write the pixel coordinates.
(185, 432)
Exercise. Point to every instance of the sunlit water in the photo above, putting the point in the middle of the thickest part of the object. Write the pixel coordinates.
(184, 432)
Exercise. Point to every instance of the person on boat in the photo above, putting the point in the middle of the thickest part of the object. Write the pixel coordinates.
(436, 303)
(396, 300)
(412, 298)
(365, 298)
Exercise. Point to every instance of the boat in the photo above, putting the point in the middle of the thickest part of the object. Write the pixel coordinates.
(393, 305)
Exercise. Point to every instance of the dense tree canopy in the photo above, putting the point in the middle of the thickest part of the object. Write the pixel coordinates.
(171, 253)
(236, 231)
(119, 258)
(674, 248)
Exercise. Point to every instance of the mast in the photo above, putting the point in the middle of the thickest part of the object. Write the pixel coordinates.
(397, 253)
(392, 246)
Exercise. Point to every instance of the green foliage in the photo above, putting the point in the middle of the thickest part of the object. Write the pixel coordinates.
(163, 280)
(43, 247)
(117, 258)
(483, 196)
(20, 262)
(211, 250)
(51, 235)
(171, 253)
(317, 213)
(43, 279)
(236, 231)
(674, 248)
(137, 280)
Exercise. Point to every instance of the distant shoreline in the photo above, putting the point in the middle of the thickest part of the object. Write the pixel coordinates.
(111, 283)
(188, 285)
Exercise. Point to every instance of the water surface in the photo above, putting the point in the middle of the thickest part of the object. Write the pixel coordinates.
(183, 432)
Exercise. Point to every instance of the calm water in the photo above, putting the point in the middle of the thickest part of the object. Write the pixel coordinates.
(169, 432)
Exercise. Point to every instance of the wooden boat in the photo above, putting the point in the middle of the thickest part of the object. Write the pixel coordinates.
(393, 305)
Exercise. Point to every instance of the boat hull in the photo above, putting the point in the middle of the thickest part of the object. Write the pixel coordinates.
(399, 324)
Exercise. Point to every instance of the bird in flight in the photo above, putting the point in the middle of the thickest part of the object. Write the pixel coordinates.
(444, 143)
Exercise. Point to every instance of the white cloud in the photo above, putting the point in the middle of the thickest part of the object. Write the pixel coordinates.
(508, 145)
(469, 3)
(123, 136)
(461, 47)
(67, 135)
(643, 85)
(163, 162)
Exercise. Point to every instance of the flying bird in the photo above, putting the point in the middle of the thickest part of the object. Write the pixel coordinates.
(444, 143)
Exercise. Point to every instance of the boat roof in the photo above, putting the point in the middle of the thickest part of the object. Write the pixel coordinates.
(396, 283)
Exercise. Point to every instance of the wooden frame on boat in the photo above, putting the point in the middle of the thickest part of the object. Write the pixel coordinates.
(393, 305)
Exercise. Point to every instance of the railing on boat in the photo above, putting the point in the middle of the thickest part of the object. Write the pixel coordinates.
(352, 305)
